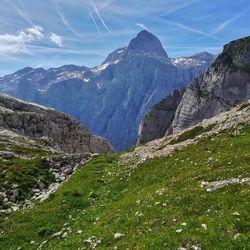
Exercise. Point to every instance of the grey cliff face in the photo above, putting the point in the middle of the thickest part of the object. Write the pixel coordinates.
(110, 99)
(56, 129)
(158, 119)
(224, 85)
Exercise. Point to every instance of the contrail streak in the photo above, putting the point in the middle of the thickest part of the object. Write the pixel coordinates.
(101, 19)
(97, 28)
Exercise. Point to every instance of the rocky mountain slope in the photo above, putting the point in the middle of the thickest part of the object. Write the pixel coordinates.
(58, 130)
(39, 149)
(186, 191)
(112, 98)
(224, 85)
(158, 119)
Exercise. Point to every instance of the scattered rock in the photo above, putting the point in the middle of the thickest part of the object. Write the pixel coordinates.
(178, 230)
(92, 241)
(236, 236)
(118, 236)
(211, 186)
(236, 214)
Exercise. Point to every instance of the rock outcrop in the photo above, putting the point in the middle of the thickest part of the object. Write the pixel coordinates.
(53, 128)
(224, 85)
(110, 99)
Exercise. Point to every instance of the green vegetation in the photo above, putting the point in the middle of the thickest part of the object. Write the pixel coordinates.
(24, 172)
(149, 204)
(202, 94)
(238, 66)
(192, 133)
(245, 42)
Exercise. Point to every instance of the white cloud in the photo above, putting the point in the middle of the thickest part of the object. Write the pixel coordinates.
(13, 43)
(56, 39)
(142, 26)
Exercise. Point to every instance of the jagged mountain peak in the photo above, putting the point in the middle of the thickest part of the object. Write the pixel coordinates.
(145, 43)
(148, 43)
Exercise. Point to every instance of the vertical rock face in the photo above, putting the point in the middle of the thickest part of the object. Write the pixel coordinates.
(56, 129)
(110, 99)
(156, 122)
(224, 85)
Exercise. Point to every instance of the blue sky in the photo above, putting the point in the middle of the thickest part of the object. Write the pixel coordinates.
(51, 33)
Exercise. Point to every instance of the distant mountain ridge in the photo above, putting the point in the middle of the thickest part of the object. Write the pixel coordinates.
(224, 85)
(112, 98)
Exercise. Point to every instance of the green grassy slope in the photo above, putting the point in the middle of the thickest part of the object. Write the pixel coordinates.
(158, 205)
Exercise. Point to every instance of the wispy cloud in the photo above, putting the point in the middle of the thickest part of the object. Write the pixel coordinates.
(9, 58)
(142, 26)
(177, 8)
(100, 17)
(56, 39)
(13, 43)
(224, 24)
(95, 23)
(20, 12)
(64, 20)
(40, 49)
(191, 29)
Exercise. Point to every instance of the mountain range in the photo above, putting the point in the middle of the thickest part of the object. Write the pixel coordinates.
(110, 99)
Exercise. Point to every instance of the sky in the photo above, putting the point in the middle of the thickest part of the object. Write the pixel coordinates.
(52, 33)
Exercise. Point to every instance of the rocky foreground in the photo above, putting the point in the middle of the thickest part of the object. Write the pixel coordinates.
(40, 149)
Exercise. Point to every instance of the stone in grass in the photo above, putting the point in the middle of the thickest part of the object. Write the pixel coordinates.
(65, 234)
(236, 214)
(178, 230)
(118, 236)
(92, 241)
(57, 234)
(204, 226)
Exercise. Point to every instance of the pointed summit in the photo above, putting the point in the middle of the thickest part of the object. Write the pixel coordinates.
(144, 44)
(148, 43)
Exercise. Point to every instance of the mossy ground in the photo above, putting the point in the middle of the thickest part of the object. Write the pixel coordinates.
(147, 204)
